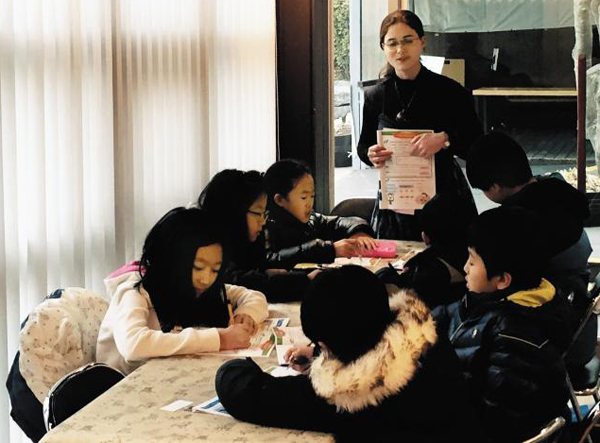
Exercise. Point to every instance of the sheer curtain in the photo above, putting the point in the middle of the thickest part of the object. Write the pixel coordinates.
(111, 113)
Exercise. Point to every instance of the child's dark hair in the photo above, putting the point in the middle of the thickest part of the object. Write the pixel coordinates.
(282, 176)
(507, 239)
(410, 19)
(495, 158)
(228, 196)
(167, 262)
(339, 297)
(445, 219)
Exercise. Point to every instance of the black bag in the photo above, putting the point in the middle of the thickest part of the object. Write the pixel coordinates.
(77, 389)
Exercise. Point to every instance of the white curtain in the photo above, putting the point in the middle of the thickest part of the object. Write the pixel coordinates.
(111, 113)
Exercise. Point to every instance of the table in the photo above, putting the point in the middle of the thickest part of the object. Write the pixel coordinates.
(482, 96)
(404, 248)
(130, 411)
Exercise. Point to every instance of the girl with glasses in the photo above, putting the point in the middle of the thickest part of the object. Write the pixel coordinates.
(237, 199)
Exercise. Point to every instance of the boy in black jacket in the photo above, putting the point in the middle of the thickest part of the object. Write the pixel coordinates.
(381, 371)
(499, 167)
(436, 273)
(510, 329)
(295, 233)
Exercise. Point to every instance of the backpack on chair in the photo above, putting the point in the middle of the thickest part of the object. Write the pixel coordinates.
(77, 389)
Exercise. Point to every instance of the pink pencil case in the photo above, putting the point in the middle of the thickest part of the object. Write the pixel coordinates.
(384, 249)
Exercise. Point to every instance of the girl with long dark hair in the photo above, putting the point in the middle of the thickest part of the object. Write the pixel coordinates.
(176, 301)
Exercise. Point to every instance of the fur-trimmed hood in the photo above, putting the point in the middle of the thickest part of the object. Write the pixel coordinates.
(384, 370)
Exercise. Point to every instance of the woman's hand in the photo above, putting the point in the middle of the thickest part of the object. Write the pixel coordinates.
(299, 358)
(378, 155)
(234, 337)
(428, 144)
(246, 321)
(364, 242)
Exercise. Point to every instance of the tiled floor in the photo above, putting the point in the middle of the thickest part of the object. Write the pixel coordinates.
(351, 183)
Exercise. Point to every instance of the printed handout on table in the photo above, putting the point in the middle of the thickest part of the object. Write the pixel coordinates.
(264, 340)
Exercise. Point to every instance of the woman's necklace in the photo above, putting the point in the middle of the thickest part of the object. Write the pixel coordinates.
(401, 116)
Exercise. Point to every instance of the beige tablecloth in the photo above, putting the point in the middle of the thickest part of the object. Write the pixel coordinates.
(130, 411)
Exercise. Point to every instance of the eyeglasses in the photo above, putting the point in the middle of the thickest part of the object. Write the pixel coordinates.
(263, 215)
(404, 43)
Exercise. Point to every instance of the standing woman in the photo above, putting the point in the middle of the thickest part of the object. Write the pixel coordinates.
(409, 96)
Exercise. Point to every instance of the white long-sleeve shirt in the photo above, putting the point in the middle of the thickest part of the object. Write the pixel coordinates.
(130, 332)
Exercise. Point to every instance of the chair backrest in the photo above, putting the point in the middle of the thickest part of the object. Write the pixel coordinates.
(590, 420)
(550, 433)
(355, 207)
(60, 336)
(595, 291)
(77, 389)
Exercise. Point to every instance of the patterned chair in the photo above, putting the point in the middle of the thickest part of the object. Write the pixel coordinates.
(59, 336)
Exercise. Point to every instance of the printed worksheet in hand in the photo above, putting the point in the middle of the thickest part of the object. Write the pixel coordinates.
(407, 181)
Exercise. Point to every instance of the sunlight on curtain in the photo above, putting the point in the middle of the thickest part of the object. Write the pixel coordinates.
(111, 113)
(241, 28)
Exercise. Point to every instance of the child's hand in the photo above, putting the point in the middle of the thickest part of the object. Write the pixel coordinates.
(299, 358)
(364, 242)
(246, 321)
(271, 272)
(234, 337)
(346, 248)
(312, 274)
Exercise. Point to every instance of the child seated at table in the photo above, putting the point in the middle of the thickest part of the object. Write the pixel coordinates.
(382, 373)
(498, 166)
(295, 233)
(436, 273)
(156, 310)
(510, 329)
(238, 200)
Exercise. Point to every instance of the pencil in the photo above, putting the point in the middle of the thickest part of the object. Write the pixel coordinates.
(230, 310)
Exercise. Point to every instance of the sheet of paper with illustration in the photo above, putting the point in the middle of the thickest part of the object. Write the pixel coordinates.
(290, 336)
(212, 406)
(263, 341)
(281, 371)
(407, 181)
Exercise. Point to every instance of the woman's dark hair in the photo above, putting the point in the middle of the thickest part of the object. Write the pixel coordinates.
(508, 240)
(167, 262)
(228, 196)
(496, 158)
(410, 19)
(347, 309)
(282, 176)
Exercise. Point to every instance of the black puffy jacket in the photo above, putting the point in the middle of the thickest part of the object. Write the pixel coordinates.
(289, 241)
(247, 266)
(387, 394)
(510, 348)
